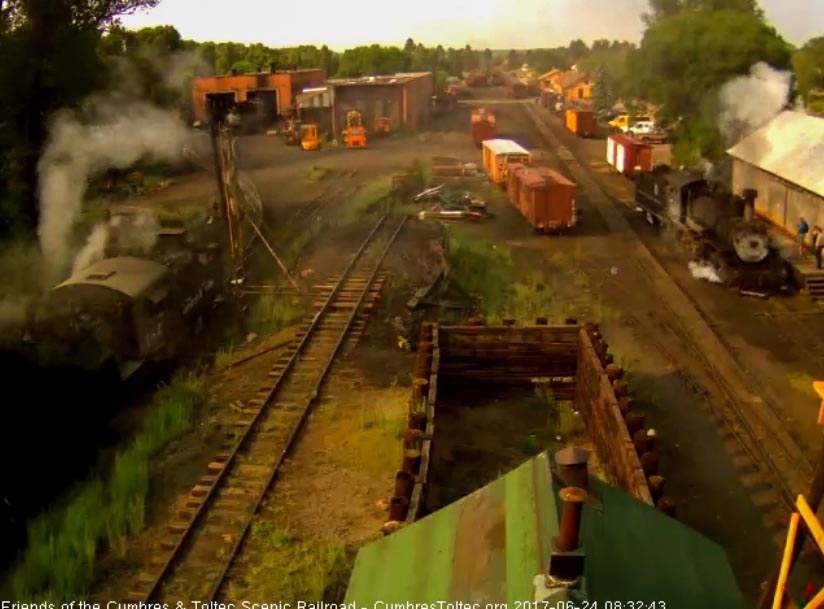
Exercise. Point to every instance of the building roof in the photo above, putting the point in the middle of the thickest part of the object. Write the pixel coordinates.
(488, 546)
(125, 274)
(550, 74)
(307, 95)
(572, 78)
(396, 79)
(498, 146)
(791, 146)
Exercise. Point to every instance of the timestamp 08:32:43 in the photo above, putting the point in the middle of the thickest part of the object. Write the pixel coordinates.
(569, 604)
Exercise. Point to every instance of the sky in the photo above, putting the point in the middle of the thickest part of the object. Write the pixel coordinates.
(495, 24)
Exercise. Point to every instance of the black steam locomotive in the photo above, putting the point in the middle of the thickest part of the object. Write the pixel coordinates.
(126, 309)
(720, 228)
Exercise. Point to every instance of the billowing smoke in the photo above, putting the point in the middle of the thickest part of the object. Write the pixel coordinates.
(110, 132)
(704, 270)
(749, 102)
(134, 235)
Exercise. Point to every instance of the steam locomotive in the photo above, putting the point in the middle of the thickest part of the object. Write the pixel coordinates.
(125, 310)
(720, 228)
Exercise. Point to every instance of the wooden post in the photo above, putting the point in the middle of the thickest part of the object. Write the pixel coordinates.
(814, 498)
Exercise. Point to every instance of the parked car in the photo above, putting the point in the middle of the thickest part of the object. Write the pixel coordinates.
(451, 212)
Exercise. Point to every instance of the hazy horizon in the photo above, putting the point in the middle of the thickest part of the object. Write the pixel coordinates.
(494, 24)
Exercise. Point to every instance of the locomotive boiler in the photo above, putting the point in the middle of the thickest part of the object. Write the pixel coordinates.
(718, 227)
(125, 310)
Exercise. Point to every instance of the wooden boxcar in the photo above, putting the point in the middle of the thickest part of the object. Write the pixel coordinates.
(547, 201)
(581, 122)
(513, 185)
(482, 125)
(631, 156)
(497, 154)
(516, 87)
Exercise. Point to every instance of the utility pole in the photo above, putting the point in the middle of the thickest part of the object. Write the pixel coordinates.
(814, 498)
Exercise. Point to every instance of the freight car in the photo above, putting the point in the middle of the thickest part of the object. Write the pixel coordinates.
(718, 227)
(482, 126)
(126, 310)
(543, 196)
(516, 87)
(498, 154)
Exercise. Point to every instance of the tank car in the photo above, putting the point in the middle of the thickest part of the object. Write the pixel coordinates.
(125, 310)
(717, 226)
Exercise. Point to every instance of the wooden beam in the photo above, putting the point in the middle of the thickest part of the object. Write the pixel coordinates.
(810, 519)
(786, 561)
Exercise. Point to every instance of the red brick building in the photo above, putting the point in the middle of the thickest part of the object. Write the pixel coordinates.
(276, 90)
(405, 98)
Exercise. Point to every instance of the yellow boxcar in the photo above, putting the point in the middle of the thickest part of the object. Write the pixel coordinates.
(497, 154)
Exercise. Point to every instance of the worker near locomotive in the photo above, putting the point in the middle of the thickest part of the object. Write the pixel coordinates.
(134, 305)
(720, 229)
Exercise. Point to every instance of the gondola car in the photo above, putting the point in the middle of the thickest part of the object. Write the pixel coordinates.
(718, 227)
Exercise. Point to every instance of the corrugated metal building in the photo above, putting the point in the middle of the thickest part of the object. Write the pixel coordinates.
(784, 162)
(315, 106)
(489, 546)
(406, 98)
(276, 89)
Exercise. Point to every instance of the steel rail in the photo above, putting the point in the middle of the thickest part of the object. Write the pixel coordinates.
(173, 552)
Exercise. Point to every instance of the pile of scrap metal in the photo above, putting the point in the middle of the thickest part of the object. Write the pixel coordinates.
(450, 204)
(450, 166)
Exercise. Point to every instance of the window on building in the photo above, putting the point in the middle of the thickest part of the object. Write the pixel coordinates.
(581, 93)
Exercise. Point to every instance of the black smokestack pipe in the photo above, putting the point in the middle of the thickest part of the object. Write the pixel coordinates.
(749, 195)
(273, 67)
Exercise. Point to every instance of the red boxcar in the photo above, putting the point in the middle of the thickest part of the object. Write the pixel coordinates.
(482, 126)
(476, 79)
(631, 156)
(581, 122)
(547, 201)
(516, 87)
(513, 183)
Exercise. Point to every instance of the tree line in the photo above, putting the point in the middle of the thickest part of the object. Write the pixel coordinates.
(53, 54)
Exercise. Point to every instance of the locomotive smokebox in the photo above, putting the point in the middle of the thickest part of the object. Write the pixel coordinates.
(749, 195)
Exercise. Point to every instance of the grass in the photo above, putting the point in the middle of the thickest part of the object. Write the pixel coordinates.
(64, 544)
(21, 266)
(317, 173)
(290, 568)
(273, 312)
(482, 270)
(803, 382)
(374, 196)
(560, 419)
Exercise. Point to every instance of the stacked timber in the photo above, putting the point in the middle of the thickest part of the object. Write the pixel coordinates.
(417, 444)
(510, 354)
(611, 413)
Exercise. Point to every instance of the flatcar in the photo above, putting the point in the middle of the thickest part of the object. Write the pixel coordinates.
(125, 310)
(718, 227)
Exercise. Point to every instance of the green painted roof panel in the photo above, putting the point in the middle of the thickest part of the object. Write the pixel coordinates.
(488, 546)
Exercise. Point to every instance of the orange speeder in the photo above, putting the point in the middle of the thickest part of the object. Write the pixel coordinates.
(547, 201)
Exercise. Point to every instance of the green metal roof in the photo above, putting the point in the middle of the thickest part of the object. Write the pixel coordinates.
(488, 546)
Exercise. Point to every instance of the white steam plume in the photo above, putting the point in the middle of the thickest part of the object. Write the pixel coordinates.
(114, 134)
(749, 102)
(704, 270)
(133, 235)
(94, 249)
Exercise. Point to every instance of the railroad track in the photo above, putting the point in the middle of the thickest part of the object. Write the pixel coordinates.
(754, 422)
(201, 543)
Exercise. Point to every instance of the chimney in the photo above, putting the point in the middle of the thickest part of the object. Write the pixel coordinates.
(572, 467)
(749, 195)
(234, 72)
(273, 67)
(572, 503)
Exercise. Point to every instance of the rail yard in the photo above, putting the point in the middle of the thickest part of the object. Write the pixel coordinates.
(414, 360)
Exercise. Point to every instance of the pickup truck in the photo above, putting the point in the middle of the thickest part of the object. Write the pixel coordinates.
(646, 131)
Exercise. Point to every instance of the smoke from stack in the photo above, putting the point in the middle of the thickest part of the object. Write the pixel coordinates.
(110, 132)
(135, 235)
(749, 102)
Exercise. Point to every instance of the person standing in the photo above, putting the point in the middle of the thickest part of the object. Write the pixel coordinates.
(818, 245)
(802, 229)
